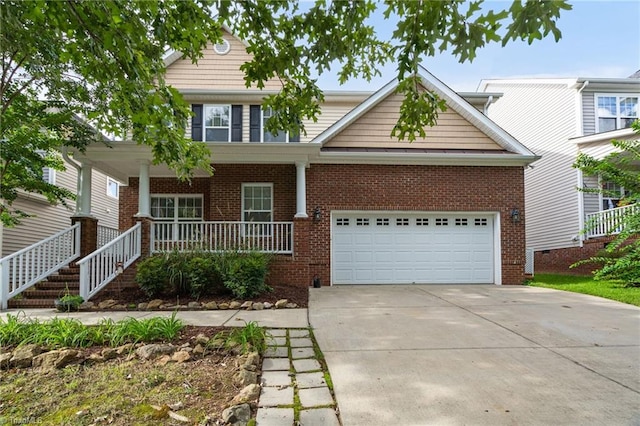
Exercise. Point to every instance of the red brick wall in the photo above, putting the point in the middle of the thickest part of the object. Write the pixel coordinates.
(559, 261)
(355, 187)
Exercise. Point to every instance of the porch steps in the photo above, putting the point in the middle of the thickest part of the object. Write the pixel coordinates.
(43, 294)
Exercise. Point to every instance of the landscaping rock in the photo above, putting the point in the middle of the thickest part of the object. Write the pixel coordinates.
(223, 306)
(252, 358)
(245, 378)
(119, 307)
(4, 360)
(181, 356)
(268, 305)
(124, 349)
(23, 355)
(258, 306)
(238, 415)
(163, 360)
(282, 303)
(154, 351)
(246, 305)
(87, 305)
(249, 393)
(155, 304)
(202, 339)
(194, 305)
(211, 305)
(109, 353)
(235, 305)
(94, 358)
(198, 350)
(291, 305)
(55, 359)
(106, 304)
(143, 305)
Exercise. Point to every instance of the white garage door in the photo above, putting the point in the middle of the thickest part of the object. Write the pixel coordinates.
(407, 248)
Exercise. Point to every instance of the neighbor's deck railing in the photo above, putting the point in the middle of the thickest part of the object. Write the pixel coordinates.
(607, 222)
(270, 237)
(24, 268)
(106, 234)
(103, 265)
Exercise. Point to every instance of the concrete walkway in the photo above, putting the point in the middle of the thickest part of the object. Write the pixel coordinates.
(478, 355)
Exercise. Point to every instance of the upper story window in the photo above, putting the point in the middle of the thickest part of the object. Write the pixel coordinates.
(615, 111)
(258, 118)
(216, 123)
(267, 136)
(113, 188)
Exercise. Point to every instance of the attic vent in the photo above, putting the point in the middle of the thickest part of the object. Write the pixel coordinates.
(222, 48)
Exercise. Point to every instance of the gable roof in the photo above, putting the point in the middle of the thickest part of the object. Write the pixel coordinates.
(453, 101)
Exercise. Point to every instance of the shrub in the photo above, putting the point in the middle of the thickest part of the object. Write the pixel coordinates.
(244, 274)
(203, 276)
(152, 275)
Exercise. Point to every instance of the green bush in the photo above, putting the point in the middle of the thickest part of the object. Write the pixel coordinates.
(152, 276)
(244, 273)
(203, 276)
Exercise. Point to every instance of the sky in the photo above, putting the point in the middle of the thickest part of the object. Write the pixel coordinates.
(600, 39)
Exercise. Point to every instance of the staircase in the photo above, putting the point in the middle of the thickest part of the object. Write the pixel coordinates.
(43, 294)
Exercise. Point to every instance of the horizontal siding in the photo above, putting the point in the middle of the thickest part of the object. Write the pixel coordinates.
(373, 130)
(50, 219)
(591, 200)
(588, 113)
(543, 117)
(214, 71)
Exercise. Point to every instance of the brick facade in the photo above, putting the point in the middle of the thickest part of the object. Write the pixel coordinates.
(559, 261)
(354, 187)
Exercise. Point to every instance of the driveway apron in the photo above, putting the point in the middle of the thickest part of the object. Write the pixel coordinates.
(478, 355)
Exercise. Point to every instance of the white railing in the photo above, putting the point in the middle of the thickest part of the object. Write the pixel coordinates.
(270, 237)
(607, 222)
(106, 234)
(103, 265)
(26, 267)
(528, 263)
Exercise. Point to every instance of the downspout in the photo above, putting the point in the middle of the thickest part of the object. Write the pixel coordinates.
(78, 167)
(580, 178)
(486, 105)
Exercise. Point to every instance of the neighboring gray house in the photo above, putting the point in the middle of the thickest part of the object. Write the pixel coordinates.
(48, 218)
(557, 119)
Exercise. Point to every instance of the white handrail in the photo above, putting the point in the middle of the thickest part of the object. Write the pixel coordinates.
(607, 222)
(103, 265)
(106, 234)
(26, 267)
(269, 237)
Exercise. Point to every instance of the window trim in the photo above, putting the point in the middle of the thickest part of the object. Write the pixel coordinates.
(263, 129)
(204, 122)
(109, 181)
(242, 204)
(618, 115)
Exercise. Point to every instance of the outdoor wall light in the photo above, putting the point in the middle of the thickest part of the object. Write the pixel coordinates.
(317, 214)
(515, 215)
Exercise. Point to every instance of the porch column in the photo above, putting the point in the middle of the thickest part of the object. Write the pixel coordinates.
(301, 189)
(83, 205)
(144, 196)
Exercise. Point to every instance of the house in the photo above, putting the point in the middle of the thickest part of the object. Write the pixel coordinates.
(47, 218)
(558, 118)
(345, 204)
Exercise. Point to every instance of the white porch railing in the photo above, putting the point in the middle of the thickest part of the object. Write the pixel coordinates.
(607, 222)
(26, 267)
(103, 265)
(270, 237)
(106, 234)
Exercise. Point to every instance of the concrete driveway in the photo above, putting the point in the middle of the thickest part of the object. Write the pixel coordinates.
(478, 355)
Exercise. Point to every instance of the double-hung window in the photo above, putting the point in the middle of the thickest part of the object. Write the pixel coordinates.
(258, 118)
(217, 120)
(267, 136)
(257, 207)
(113, 188)
(172, 211)
(614, 111)
(612, 193)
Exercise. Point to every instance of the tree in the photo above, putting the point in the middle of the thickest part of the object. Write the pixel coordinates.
(103, 59)
(621, 258)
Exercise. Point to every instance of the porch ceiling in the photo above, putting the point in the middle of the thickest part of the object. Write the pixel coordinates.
(122, 159)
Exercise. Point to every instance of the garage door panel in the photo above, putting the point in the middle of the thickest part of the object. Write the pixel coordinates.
(389, 248)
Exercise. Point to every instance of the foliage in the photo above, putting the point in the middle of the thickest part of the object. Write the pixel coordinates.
(609, 289)
(249, 338)
(198, 273)
(104, 61)
(69, 332)
(622, 258)
(69, 302)
(244, 273)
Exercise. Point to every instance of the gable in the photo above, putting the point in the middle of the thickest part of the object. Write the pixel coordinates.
(373, 130)
(214, 71)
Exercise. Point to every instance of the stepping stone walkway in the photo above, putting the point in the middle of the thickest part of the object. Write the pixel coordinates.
(290, 372)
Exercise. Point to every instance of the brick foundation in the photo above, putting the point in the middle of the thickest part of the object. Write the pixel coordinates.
(558, 261)
(334, 187)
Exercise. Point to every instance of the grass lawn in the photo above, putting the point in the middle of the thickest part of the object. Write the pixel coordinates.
(614, 290)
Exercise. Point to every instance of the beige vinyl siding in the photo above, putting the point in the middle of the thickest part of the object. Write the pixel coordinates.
(543, 117)
(214, 71)
(373, 130)
(50, 219)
